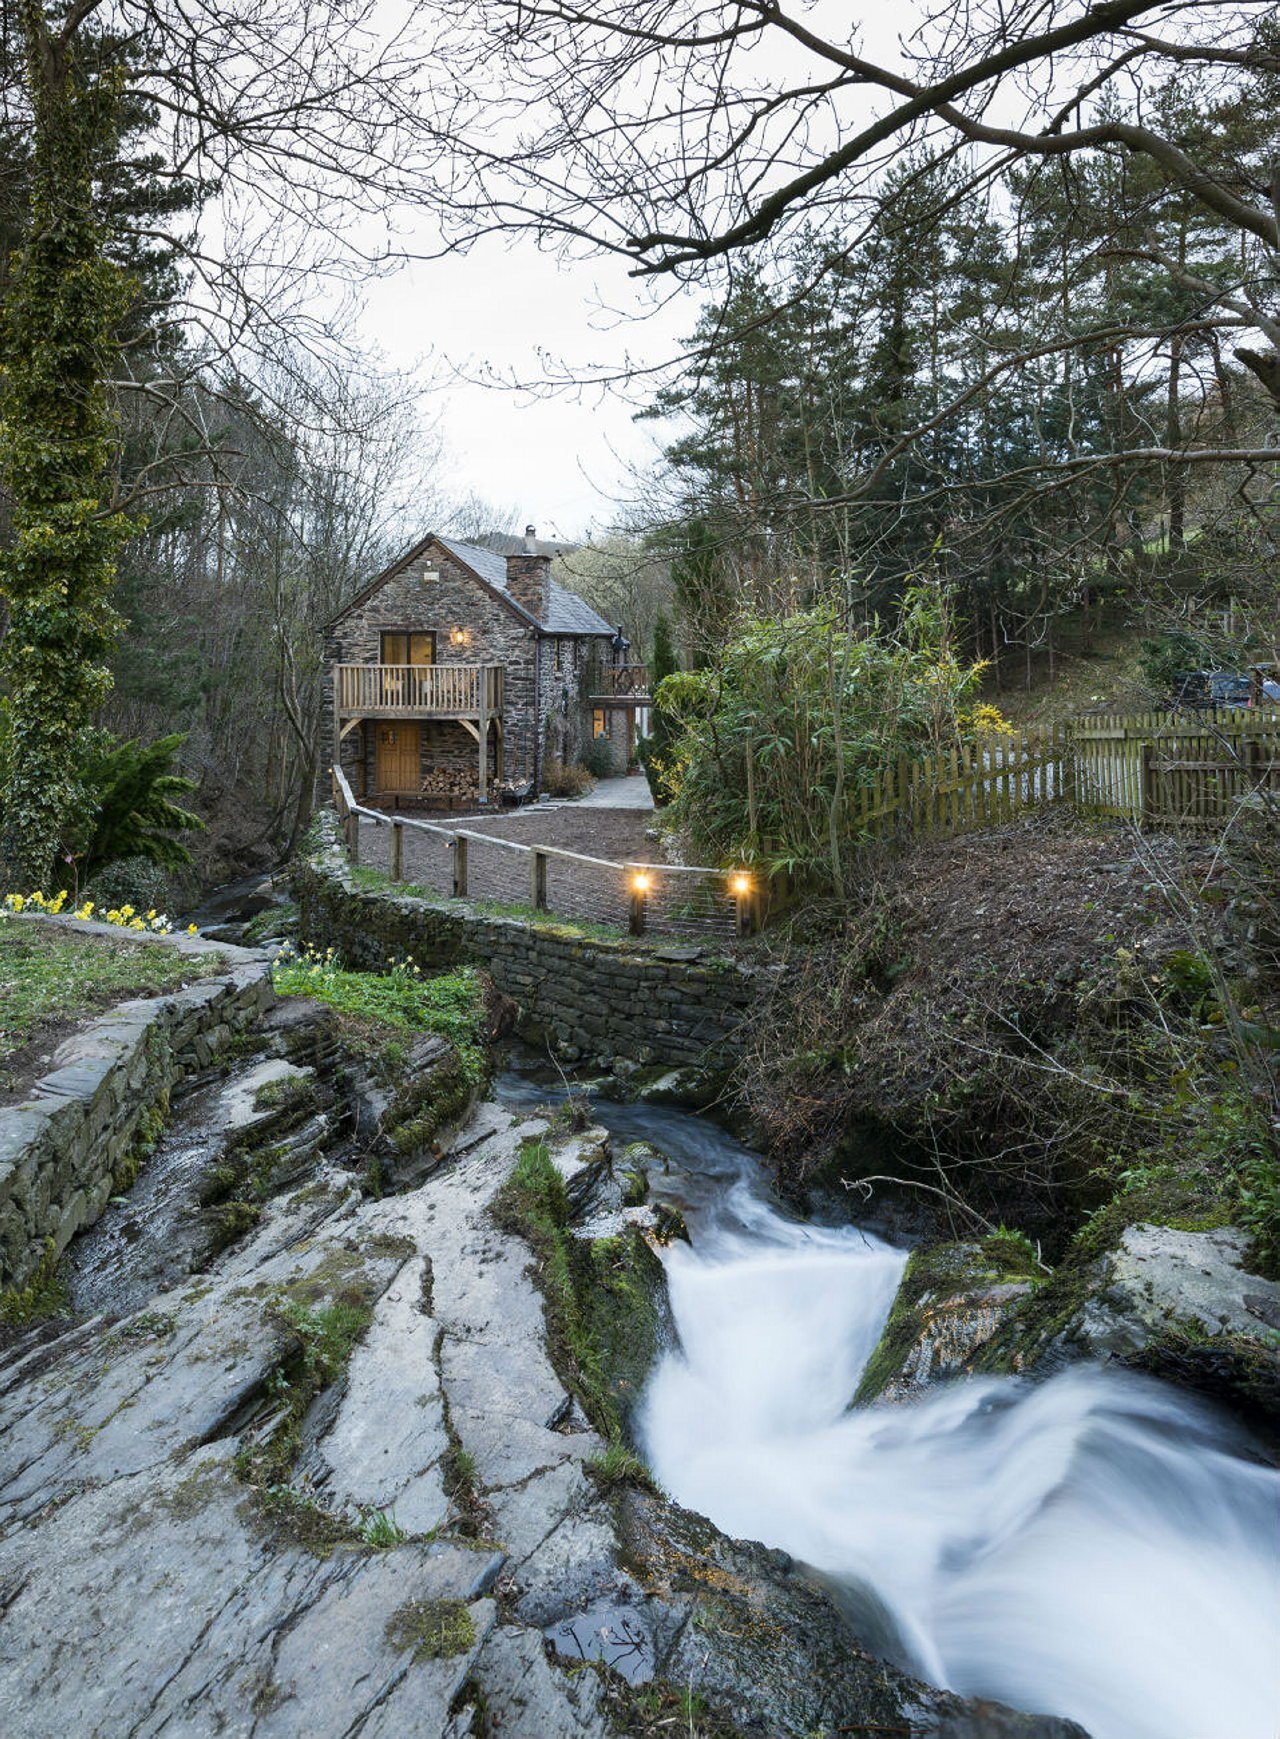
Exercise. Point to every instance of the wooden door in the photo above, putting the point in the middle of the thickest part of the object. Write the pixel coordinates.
(399, 757)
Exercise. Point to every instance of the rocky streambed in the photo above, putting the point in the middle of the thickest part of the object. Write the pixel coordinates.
(328, 1445)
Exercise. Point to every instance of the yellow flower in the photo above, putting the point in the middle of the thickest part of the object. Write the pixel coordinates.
(126, 911)
(191, 930)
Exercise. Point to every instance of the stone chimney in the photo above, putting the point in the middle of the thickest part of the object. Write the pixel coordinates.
(529, 577)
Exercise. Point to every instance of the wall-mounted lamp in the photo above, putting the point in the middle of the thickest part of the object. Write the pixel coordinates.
(458, 637)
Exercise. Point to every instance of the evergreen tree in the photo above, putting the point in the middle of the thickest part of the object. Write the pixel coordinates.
(57, 447)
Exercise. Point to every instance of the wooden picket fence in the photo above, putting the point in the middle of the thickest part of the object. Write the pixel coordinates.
(977, 785)
(1183, 770)
(1192, 770)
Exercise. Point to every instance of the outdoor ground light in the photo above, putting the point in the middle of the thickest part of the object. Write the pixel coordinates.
(640, 882)
(740, 886)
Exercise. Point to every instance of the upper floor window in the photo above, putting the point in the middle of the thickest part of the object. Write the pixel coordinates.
(406, 648)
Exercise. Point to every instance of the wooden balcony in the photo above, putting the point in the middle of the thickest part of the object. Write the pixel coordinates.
(420, 691)
(625, 683)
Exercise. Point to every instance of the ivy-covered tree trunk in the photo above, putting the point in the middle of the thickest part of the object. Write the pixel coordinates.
(57, 448)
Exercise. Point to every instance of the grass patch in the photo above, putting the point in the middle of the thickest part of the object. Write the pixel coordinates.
(576, 929)
(49, 976)
(617, 1465)
(380, 1529)
(451, 1004)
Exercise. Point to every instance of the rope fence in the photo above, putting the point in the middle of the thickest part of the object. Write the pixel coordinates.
(1193, 771)
(466, 863)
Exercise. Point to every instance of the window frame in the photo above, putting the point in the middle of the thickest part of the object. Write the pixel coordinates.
(408, 635)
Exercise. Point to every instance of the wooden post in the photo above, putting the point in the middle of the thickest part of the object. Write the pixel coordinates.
(397, 851)
(538, 880)
(1065, 760)
(353, 836)
(1146, 795)
(460, 844)
(483, 722)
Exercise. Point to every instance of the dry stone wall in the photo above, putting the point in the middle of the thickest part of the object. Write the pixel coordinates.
(618, 1005)
(65, 1151)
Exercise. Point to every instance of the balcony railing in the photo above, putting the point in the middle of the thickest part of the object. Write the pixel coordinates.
(420, 690)
(621, 682)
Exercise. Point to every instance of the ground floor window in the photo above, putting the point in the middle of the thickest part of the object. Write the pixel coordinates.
(599, 726)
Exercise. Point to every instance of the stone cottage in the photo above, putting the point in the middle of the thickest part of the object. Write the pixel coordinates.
(459, 674)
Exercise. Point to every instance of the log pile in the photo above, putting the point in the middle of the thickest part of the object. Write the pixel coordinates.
(450, 782)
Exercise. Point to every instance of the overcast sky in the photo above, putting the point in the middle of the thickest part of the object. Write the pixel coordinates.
(561, 461)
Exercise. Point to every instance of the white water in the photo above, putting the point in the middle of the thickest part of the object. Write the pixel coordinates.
(1092, 1547)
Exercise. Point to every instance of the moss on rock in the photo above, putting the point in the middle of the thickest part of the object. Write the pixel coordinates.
(952, 1299)
(604, 1296)
(431, 1629)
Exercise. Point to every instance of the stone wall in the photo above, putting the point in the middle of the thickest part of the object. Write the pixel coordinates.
(455, 600)
(610, 1004)
(66, 1150)
(545, 674)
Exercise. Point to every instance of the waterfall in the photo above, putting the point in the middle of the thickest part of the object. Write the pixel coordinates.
(1096, 1546)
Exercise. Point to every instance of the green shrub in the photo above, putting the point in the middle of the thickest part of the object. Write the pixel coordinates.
(773, 746)
(130, 808)
(597, 758)
(559, 781)
(132, 881)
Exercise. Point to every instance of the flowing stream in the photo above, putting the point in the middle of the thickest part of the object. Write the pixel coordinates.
(1098, 1545)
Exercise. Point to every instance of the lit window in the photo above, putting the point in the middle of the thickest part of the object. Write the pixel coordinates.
(598, 726)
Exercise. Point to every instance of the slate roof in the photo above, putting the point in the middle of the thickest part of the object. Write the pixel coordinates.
(567, 613)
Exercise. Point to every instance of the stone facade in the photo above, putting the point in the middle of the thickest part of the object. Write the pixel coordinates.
(65, 1151)
(605, 1003)
(545, 674)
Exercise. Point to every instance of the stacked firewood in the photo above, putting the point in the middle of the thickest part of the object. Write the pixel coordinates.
(450, 782)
